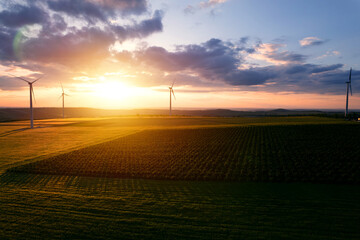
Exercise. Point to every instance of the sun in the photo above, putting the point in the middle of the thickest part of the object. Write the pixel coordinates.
(113, 90)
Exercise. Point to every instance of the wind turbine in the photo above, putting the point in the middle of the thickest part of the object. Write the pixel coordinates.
(348, 86)
(31, 97)
(63, 100)
(171, 91)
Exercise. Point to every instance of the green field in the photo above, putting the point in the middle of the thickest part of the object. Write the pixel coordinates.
(249, 178)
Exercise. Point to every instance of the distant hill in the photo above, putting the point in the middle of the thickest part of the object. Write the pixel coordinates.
(12, 114)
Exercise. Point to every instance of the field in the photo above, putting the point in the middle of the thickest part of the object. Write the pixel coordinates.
(297, 153)
(252, 178)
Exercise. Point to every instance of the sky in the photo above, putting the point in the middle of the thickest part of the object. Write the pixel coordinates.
(124, 54)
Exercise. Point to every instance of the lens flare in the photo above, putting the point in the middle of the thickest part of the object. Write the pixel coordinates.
(18, 43)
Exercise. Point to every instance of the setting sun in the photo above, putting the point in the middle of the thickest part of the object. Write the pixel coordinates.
(114, 90)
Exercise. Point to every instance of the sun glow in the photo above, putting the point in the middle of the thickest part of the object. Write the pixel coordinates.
(114, 90)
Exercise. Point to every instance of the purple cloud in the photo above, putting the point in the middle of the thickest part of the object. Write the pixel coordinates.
(216, 61)
(21, 15)
(59, 43)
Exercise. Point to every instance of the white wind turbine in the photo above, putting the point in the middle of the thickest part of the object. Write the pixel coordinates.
(31, 97)
(171, 91)
(63, 100)
(348, 86)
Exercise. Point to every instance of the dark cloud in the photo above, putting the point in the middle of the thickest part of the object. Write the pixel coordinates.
(125, 7)
(213, 60)
(93, 10)
(288, 57)
(6, 43)
(88, 10)
(59, 43)
(310, 78)
(55, 26)
(218, 63)
(321, 69)
(80, 47)
(20, 15)
(142, 29)
(253, 76)
(311, 68)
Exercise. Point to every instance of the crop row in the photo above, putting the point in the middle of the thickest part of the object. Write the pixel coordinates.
(300, 153)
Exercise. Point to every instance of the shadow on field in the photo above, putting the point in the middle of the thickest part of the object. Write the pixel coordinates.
(4, 134)
(13, 132)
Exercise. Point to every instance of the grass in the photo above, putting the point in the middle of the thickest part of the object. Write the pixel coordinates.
(79, 207)
(64, 207)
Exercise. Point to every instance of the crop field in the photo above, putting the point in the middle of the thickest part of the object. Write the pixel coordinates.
(50, 137)
(180, 178)
(295, 153)
(72, 207)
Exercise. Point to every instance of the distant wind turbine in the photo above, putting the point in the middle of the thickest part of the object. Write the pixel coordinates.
(31, 97)
(348, 87)
(171, 91)
(63, 100)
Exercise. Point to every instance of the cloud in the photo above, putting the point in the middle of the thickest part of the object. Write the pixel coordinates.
(126, 7)
(21, 15)
(211, 3)
(62, 37)
(87, 10)
(311, 41)
(212, 60)
(270, 52)
(142, 29)
(93, 10)
(308, 78)
(329, 54)
(221, 64)
(191, 9)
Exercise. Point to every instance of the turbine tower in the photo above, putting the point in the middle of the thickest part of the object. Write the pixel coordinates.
(348, 87)
(31, 97)
(63, 100)
(171, 91)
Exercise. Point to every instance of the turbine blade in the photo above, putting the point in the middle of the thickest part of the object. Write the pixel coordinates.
(33, 93)
(66, 94)
(59, 97)
(173, 84)
(350, 89)
(350, 75)
(37, 79)
(20, 78)
(173, 93)
(61, 86)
